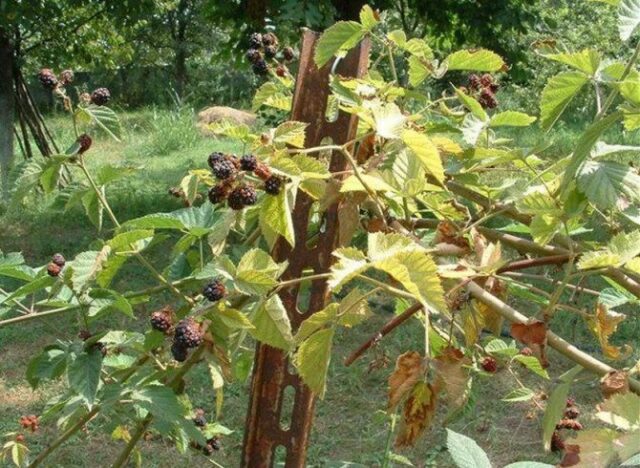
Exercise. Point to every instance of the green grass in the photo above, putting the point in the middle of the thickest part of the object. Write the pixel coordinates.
(350, 424)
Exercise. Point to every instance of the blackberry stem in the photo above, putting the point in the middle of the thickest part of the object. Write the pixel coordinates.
(105, 204)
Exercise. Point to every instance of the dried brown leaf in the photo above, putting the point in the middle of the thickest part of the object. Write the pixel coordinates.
(603, 325)
(409, 369)
(417, 414)
(452, 376)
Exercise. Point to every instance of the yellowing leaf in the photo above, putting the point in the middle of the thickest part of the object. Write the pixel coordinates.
(426, 151)
(417, 414)
(272, 324)
(409, 369)
(452, 375)
(603, 326)
(353, 309)
(275, 215)
(312, 360)
(291, 133)
(351, 262)
(586, 61)
(445, 145)
(353, 184)
(477, 60)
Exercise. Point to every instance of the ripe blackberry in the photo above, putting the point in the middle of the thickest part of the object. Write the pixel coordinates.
(273, 185)
(179, 352)
(84, 141)
(248, 162)
(260, 67)
(269, 39)
(214, 291)
(48, 78)
(187, 334)
(53, 269)
(474, 82)
(255, 40)
(262, 171)
(281, 71)
(489, 364)
(253, 55)
(84, 335)
(218, 193)
(215, 443)
(58, 259)
(234, 200)
(100, 96)
(214, 158)
(66, 77)
(487, 99)
(199, 419)
(161, 320)
(288, 54)
(270, 51)
(223, 168)
(248, 194)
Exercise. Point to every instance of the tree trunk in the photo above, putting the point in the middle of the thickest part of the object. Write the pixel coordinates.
(7, 107)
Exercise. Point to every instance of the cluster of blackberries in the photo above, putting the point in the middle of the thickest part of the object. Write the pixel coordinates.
(187, 335)
(50, 81)
(214, 291)
(56, 265)
(569, 421)
(265, 46)
(227, 167)
(30, 422)
(484, 88)
(162, 320)
(213, 444)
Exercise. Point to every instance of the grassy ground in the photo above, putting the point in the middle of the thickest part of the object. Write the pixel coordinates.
(349, 425)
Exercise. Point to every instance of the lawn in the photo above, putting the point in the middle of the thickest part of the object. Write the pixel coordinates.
(351, 428)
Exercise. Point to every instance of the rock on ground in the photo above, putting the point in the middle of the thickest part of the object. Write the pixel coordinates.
(221, 113)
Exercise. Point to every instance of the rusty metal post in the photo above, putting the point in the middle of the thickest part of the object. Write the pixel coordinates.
(264, 430)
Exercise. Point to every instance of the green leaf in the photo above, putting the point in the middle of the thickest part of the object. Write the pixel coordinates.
(555, 407)
(275, 214)
(48, 365)
(633, 461)
(511, 119)
(424, 149)
(586, 61)
(234, 319)
(316, 321)
(466, 453)
(584, 146)
(533, 364)
(84, 374)
(351, 262)
(477, 60)
(338, 38)
(93, 208)
(159, 401)
(557, 94)
(312, 360)
(87, 265)
(605, 183)
(418, 70)
(102, 116)
(472, 104)
(36, 285)
(368, 18)
(628, 18)
(353, 309)
(375, 183)
(519, 394)
(291, 133)
(124, 240)
(272, 324)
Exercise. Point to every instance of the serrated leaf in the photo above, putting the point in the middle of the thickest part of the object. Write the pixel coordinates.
(160, 401)
(475, 60)
(621, 410)
(48, 365)
(603, 325)
(353, 309)
(418, 70)
(511, 119)
(275, 215)
(234, 319)
(533, 364)
(351, 262)
(312, 360)
(87, 265)
(471, 104)
(586, 61)
(466, 453)
(84, 374)
(316, 321)
(375, 183)
(101, 116)
(606, 182)
(338, 38)
(557, 95)
(417, 414)
(291, 133)
(272, 324)
(519, 394)
(424, 149)
(368, 18)
(408, 370)
(453, 375)
(628, 18)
